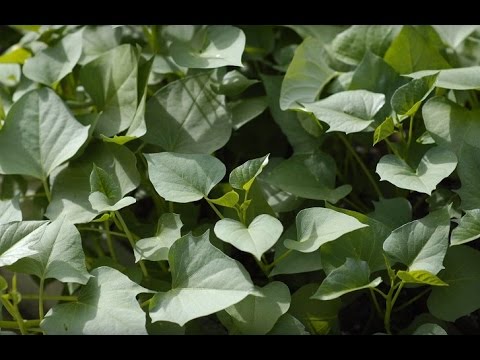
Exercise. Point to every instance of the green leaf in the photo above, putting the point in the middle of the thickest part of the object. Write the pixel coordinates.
(468, 172)
(309, 176)
(245, 110)
(10, 211)
(258, 312)
(106, 305)
(59, 255)
(111, 81)
(295, 261)
(47, 132)
(243, 176)
(468, 229)
(454, 35)
(184, 177)
(384, 130)
(186, 116)
(262, 233)
(230, 199)
(204, 281)
(318, 317)
(288, 325)
(15, 55)
(51, 65)
(351, 45)
(10, 74)
(407, 99)
(234, 83)
(352, 276)
(420, 277)
(306, 75)
(421, 244)
(467, 78)
(98, 40)
(437, 164)
(348, 111)
(156, 248)
(363, 244)
(410, 51)
(317, 226)
(223, 46)
(71, 186)
(451, 125)
(17, 240)
(462, 274)
(430, 329)
(106, 194)
(392, 212)
(325, 33)
(298, 137)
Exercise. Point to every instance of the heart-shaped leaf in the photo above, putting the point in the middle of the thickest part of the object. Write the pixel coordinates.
(435, 165)
(204, 281)
(317, 226)
(262, 233)
(243, 176)
(184, 177)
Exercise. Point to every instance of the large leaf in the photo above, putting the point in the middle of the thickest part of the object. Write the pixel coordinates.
(318, 317)
(187, 116)
(184, 177)
(317, 226)
(223, 45)
(258, 313)
(392, 212)
(98, 40)
(71, 187)
(306, 75)
(262, 233)
(42, 132)
(430, 329)
(17, 240)
(348, 111)
(451, 125)
(462, 295)
(107, 305)
(204, 281)
(156, 248)
(298, 137)
(469, 172)
(467, 78)
(10, 211)
(437, 164)
(288, 325)
(243, 176)
(111, 81)
(411, 51)
(59, 255)
(468, 229)
(309, 176)
(351, 45)
(245, 110)
(51, 65)
(352, 276)
(454, 35)
(421, 244)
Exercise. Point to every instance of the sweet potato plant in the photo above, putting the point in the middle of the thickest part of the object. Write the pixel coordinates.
(169, 179)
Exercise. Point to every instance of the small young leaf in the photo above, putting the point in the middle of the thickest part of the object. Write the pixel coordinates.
(384, 130)
(243, 176)
(420, 277)
(352, 276)
(183, 177)
(262, 233)
(230, 199)
(407, 99)
(437, 164)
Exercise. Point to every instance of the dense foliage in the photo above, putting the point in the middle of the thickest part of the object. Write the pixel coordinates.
(241, 180)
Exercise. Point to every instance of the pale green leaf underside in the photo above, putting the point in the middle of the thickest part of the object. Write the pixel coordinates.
(262, 233)
(204, 281)
(468, 228)
(467, 78)
(184, 177)
(10, 211)
(437, 164)
(107, 305)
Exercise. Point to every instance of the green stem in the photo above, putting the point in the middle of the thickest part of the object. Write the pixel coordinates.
(13, 311)
(219, 214)
(170, 207)
(390, 303)
(15, 325)
(280, 258)
(410, 133)
(412, 300)
(375, 303)
(48, 194)
(382, 294)
(361, 163)
(262, 266)
(130, 240)
(51, 298)
(111, 249)
(392, 148)
(101, 231)
(41, 289)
